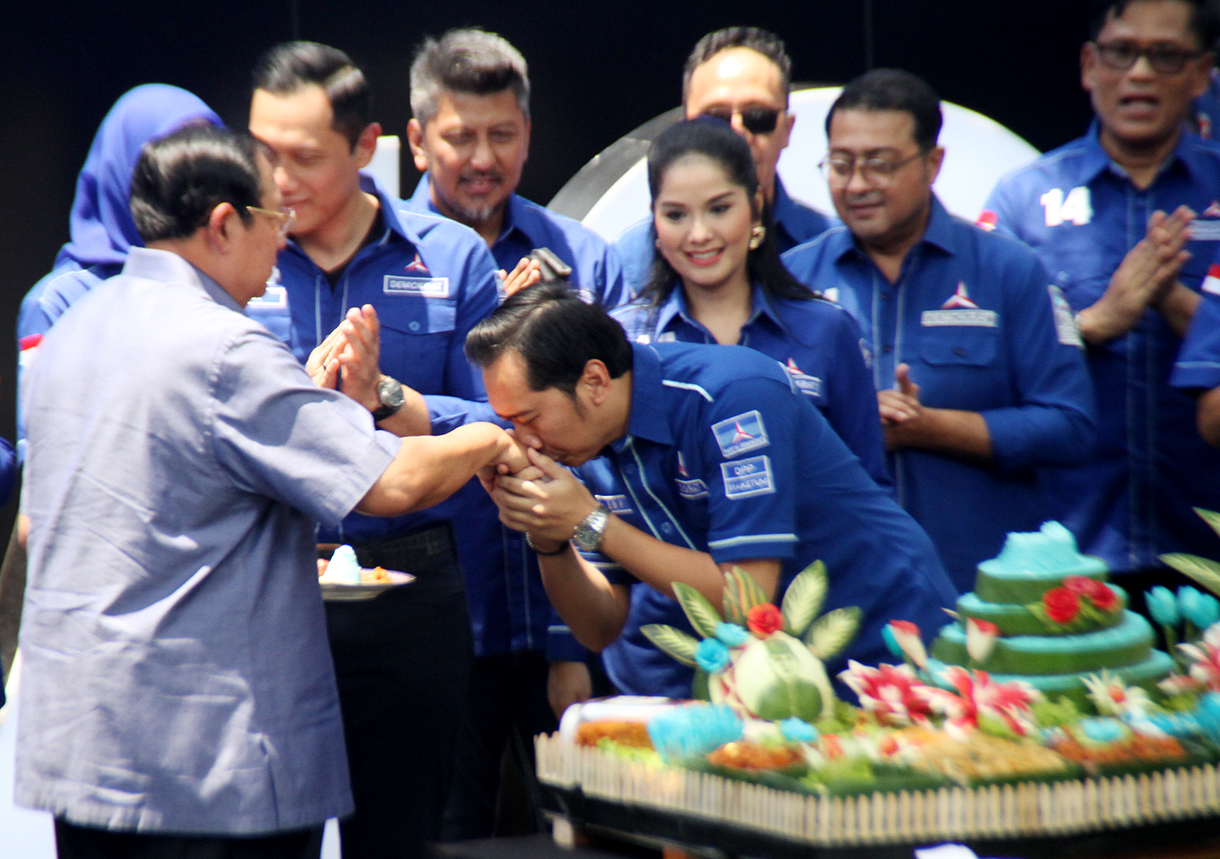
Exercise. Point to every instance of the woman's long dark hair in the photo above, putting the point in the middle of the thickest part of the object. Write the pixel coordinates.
(716, 140)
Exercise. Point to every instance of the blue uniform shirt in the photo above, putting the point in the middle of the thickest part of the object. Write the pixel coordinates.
(974, 316)
(431, 280)
(816, 342)
(596, 270)
(1081, 215)
(793, 223)
(1198, 365)
(724, 455)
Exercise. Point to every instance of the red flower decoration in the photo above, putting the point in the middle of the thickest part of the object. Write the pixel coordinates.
(1061, 605)
(764, 619)
(1082, 585)
(1104, 598)
(1099, 593)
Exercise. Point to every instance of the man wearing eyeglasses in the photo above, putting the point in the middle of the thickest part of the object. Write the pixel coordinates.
(742, 75)
(1126, 221)
(403, 659)
(978, 366)
(180, 699)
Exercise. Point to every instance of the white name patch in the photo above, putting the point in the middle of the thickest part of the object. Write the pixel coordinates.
(740, 433)
(1205, 230)
(810, 385)
(275, 296)
(748, 477)
(1065, 321)
(692, 490)
(967, 318)
(618, 504)
(428, 287)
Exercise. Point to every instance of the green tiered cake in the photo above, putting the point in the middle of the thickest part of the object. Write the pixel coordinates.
(1043, 613)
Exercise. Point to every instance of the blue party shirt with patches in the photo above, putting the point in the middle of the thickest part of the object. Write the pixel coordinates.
(724, 455)
(816, 342)
(1082, 214)
(976, 319)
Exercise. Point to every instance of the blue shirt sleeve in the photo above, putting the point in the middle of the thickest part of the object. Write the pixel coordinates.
(1054, 423)
(466, 400)
(1198, 364)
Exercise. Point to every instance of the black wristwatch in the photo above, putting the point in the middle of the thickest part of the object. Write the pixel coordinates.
(389, 392)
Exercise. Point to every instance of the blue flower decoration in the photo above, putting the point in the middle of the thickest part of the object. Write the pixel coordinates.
(1162, 606)
(798, 730)
(712, 656)
(1200, 609)
(693, 730)
(890, 642)
(1207, 715)
(732, 634)
(1102, 730)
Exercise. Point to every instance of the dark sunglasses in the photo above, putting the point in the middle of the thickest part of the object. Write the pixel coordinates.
(756, 120)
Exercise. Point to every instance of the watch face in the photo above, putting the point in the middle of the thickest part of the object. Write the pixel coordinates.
(389, 391)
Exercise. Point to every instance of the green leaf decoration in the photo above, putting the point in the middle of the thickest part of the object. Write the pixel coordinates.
(675, 642)
(701, 613)
(804, 599)
(833, 631)
(741, 593)
(1211, 517)
(1203, 571)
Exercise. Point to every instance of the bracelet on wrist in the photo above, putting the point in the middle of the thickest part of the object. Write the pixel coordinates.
(563, 547)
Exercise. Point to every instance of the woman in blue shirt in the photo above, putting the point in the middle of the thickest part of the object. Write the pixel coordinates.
(716, 278)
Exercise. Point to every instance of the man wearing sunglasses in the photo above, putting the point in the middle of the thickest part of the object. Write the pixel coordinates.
(1125, 220)
(741, 75)
(978, 367)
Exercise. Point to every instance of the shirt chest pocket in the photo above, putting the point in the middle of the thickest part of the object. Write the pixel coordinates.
(959, 346)
(416, 334)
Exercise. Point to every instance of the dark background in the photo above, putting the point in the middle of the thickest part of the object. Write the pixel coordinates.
(598, 70)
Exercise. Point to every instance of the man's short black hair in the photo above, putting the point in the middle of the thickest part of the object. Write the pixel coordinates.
(556, 334)
(469, 61)
(894, 89)
(756, 39)
(1202, 23)
(288, 67)
(182, 177)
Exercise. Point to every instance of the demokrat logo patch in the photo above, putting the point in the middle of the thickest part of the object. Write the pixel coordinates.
(805, 383)
(740, 433)
(959, 310)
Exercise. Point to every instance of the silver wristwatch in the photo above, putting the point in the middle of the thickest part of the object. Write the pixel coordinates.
(389, 392)
(589, 533)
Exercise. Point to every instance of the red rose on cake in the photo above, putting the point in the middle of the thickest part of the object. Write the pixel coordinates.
(764, 619)
(1061, 604)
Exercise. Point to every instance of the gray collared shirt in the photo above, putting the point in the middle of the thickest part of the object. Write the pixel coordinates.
(177, 676)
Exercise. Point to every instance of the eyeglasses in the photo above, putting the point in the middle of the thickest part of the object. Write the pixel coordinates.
(756, 120)
(877, 172)
(284, 215)
(1121, 56)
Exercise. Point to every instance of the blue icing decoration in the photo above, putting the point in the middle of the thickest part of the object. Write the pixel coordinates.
(732, 634)
(1102, 730)
(798, 730)
(693, 730)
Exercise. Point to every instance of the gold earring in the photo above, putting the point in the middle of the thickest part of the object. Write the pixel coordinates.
(757, 233)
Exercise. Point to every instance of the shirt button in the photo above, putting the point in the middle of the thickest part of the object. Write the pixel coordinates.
(629, 469)
(887, 349)
(413, 326)
(667, 528)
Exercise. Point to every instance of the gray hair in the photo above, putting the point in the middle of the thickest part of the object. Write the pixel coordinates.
(466, 61)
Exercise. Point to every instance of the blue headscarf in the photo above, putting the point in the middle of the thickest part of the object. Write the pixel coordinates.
(101, 226)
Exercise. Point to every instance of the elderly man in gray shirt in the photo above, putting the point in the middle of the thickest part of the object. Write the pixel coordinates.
(178, 696)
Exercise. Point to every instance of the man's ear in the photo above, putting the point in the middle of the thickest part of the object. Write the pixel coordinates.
(366, 144)
(415, 139)
(221, 223)
(596, 379)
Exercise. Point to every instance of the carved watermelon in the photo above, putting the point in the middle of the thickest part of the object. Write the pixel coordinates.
(774, 678)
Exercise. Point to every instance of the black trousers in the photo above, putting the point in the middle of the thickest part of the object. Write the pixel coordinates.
(508, 706)
(83, 842)
(402, 662)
